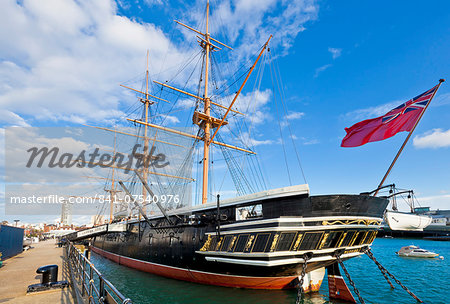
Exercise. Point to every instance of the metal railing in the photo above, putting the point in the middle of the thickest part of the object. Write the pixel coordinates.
(94, 287)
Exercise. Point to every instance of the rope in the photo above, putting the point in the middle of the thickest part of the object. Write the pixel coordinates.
(381, 267)
(338, 259)
(283, 98)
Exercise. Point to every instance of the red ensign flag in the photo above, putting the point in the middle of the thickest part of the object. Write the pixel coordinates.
(402, 118)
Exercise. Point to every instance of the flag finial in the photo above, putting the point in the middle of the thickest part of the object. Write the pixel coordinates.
(441, 80)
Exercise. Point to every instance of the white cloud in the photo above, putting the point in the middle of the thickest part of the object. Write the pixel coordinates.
(291, 116)
(440, 100)
(435, 202)
(307, 141)
(372, 112)
(153, 2)
(247, 24)
(295, 115)
(335, 52)
(170, 119)
(253, 105)
(253, 100)
(437, 138)
(321, 69)
(186, 103)
(63, 59)
(11, 118)
(252, 142)
(311, 142)
(2, 158)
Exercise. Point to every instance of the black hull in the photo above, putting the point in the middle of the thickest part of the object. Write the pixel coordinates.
(272, 244)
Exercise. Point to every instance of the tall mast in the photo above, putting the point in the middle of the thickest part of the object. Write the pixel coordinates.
(112, 192)
(146, 103)
(207, 125)
(204, 119)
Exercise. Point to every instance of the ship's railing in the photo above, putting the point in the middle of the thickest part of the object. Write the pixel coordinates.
(94, 287)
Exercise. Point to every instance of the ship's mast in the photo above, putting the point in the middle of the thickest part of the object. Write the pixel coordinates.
(204, 119)
(146, 103)
(112, 191)
(207, 123)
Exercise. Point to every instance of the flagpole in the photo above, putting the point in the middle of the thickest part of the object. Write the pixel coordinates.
(406, 140)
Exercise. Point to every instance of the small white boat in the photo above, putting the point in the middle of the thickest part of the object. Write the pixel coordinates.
(405, 221)
(416, 252)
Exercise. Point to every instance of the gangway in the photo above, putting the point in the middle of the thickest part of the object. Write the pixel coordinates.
(96, 231)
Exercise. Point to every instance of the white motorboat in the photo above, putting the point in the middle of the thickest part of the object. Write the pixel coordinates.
(416, 252)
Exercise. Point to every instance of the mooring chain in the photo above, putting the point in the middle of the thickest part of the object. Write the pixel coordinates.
(370, 255)
(386, 277)
(300, 293)
(338, 259)
(382, 269)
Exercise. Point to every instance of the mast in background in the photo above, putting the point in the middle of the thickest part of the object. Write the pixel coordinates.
(112, 191)
(145, 168)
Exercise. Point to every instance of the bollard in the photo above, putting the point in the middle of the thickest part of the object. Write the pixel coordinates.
(49, 273)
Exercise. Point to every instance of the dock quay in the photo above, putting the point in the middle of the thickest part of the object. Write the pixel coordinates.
(430, 232)
(86, 283)
(18, 272)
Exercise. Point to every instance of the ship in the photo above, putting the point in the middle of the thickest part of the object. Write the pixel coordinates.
(267, 239)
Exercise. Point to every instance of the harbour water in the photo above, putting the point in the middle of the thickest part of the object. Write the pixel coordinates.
(427, 278)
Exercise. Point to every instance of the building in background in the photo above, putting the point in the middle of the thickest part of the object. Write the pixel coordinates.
(66, 214)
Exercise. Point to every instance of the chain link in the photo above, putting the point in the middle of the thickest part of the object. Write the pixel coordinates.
(338, 259)
(381, 267)
(383, 271)
(300, 292)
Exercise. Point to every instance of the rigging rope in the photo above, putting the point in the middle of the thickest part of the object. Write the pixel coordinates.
(278, 77)
(281, 132)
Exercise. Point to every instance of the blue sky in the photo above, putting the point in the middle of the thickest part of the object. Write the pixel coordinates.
(341, 62)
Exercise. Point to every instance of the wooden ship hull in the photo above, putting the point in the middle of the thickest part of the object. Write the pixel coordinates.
(257, 241)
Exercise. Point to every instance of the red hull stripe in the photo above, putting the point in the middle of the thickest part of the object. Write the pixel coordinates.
(200, 276)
